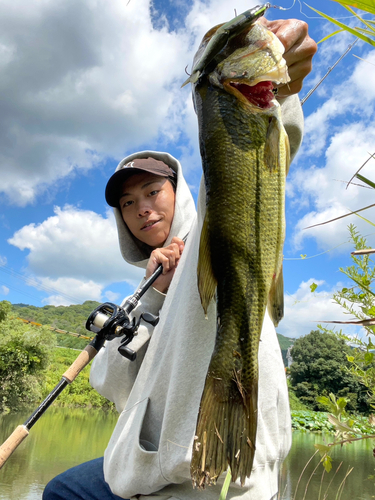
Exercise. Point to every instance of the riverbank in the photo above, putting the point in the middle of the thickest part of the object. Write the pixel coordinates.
(79, 393)
(317, 421)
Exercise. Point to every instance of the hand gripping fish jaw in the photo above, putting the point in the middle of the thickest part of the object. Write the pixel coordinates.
(110, 321)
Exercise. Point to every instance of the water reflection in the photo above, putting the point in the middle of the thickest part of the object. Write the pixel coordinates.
(63, 438)
(315, 483)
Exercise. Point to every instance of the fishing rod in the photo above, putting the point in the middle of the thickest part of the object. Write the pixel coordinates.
(107, 321)
(328, 72)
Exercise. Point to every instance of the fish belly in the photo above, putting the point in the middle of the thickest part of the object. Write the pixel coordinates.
(240, 254)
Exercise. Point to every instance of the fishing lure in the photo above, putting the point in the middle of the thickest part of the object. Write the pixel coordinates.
(223, 35)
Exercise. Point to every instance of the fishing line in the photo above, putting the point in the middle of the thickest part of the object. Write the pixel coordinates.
(312, 17)
(283, 8)
(318, 254)
(34, 283)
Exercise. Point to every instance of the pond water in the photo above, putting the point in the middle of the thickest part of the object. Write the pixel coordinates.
(63, 438)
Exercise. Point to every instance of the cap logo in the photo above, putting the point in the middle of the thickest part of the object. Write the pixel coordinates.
(130, 164)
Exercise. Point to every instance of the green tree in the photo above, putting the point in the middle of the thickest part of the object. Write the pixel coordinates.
(358, 301)
(71, 318)
(24, 354)
(5, 308)
(320, 367)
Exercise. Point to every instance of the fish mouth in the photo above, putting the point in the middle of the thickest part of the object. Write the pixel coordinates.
(259, 91)
(260, 95)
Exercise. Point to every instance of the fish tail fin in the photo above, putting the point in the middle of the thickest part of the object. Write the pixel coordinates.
(192, 78)
(225, 434)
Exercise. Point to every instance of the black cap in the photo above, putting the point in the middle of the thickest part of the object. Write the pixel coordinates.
(114, 185)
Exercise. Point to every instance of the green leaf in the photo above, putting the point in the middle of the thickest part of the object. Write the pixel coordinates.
(364, 21)
(366, 220)
(366, 5)
(369, 356)
(323, 449)
(342, 402)
(370, 32)
(360, 285)
(343, 26)
(303, 256)
(329, 36)
(365, 180)
(327, 463)
(225, 488)
(313, 287)
(340, 426)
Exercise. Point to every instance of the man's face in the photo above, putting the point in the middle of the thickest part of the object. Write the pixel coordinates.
(147, 207)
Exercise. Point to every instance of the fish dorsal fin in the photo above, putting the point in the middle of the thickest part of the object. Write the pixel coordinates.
(276, 299)
(206, 281)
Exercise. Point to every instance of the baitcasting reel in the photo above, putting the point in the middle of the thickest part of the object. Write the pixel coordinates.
(111, 321)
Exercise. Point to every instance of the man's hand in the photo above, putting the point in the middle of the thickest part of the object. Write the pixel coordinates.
(168, 256)
(299, 51)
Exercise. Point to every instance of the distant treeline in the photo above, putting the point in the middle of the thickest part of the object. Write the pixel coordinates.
(70, 318)
(73, 319)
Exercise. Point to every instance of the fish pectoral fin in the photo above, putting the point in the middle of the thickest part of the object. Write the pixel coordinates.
(272, 152)
(206, 280)
(276, 299)
(287, 153)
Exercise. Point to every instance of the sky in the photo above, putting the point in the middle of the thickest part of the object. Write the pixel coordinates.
(83, 84)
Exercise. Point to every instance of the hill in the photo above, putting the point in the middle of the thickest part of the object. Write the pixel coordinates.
(73, 319)
(285, 343)
(70, 318)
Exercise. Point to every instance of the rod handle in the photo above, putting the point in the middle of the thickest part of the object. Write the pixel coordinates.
(8, 447)
(83, 359)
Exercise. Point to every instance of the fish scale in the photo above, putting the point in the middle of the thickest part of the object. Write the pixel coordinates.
(245, 158)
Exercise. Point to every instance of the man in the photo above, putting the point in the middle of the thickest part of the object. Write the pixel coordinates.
(158, 395)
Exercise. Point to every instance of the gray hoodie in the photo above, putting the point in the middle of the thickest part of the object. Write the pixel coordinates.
(158, 395)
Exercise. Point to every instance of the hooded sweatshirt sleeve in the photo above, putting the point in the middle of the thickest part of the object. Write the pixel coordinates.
(291, 112)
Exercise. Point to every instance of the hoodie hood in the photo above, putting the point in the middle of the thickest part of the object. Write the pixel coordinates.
(134, 251)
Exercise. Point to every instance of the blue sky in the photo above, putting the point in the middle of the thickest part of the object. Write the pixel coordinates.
(83, 84)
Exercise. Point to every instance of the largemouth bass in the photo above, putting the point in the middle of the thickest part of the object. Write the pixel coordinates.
(245, 158)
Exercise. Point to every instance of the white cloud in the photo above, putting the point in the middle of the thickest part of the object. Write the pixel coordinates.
(353, 98)
(331, 198)
(72, 291)
(80, 82)
(305, 310)
(113, 297)
(3, 260)
(4, 290)
(345, 123)
(75, 251)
